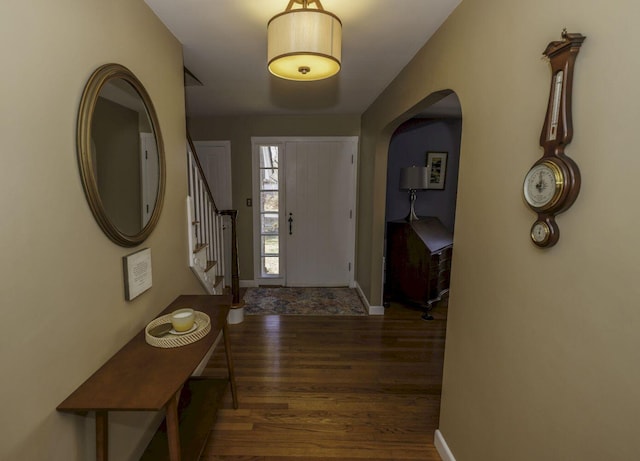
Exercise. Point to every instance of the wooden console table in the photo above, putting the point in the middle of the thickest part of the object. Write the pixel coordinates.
(140, 377)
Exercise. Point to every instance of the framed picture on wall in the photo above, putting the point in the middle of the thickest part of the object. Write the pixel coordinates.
(137, 273)
(437, 169)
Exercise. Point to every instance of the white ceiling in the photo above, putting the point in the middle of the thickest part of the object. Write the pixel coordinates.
(225, 47)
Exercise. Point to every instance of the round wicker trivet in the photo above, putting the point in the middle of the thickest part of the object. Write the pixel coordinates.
(170, 340)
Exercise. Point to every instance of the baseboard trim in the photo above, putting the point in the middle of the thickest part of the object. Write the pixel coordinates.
(442, 447)
(373, 310)
(248, 283)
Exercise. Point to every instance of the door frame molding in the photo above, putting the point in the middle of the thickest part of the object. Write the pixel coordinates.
(282, 141)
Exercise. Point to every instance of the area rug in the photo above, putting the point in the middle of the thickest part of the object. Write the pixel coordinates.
(303, 301)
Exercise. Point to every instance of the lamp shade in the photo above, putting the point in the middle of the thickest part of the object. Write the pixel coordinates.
(304, 44)
(414, 177)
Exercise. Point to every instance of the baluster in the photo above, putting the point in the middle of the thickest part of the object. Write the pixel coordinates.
(235, 279)
(212, 236)
(222, 260)
(216, 246)
(202, 213)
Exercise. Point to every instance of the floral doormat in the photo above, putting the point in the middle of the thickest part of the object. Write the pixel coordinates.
(303, 301)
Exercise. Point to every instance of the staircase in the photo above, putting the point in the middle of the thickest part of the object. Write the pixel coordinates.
(206, 243)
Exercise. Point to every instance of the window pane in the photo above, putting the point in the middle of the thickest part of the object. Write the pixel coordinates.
(270, 245)
(269, 208)
(271, 265)
(265, 158)
(269, 201)
(268, 156)
(269, 223)
(269, 179)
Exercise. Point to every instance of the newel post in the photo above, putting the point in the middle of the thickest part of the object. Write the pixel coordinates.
(235, 276)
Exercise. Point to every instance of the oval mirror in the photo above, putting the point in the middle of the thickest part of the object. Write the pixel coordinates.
(121, 155)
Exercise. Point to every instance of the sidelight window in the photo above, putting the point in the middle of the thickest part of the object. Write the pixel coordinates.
(269, 189)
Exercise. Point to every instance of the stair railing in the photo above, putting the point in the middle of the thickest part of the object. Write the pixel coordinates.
(206, 224)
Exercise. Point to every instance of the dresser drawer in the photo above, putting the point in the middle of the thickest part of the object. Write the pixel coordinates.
(445, 254)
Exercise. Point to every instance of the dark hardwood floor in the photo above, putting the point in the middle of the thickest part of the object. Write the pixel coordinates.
(332, 388)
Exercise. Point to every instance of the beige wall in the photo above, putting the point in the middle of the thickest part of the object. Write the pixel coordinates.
(239, 130)
(61, 289)
(542, 345)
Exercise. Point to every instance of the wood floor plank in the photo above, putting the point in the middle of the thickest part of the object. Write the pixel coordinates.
(331, 388)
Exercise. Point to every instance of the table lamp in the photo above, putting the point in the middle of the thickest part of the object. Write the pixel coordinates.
(413, 178)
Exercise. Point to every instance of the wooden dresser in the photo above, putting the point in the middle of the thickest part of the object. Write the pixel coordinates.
(418, 261)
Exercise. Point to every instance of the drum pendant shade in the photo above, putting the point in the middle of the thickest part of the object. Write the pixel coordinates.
(304, 44)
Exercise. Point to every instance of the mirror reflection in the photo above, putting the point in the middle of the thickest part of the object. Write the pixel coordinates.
(121, 155)
(125, 157)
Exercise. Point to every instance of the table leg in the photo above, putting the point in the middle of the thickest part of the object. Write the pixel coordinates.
(232, 376)
(173, 427)
(102, 436)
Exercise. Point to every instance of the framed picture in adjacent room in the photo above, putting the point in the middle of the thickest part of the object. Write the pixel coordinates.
(437, 165)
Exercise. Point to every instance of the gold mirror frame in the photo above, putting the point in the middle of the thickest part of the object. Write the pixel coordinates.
(96, 82)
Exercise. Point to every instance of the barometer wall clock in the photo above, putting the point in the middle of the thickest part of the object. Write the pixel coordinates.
(553, 182)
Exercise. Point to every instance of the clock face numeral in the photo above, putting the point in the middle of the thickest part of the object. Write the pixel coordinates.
(543, 185)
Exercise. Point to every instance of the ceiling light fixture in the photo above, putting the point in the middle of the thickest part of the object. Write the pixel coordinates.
(303, 43)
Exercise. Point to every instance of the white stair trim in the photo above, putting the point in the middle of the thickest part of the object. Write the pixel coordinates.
(198, 260)
(442, 447)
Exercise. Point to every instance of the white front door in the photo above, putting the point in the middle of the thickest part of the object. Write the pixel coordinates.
(319, 212)
(305, 214)
(215, 158)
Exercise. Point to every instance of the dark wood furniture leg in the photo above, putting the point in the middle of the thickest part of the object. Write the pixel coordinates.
(232, 376)
(102, 436)
(173, 427)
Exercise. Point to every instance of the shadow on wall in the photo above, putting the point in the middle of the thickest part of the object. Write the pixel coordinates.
(437, 129)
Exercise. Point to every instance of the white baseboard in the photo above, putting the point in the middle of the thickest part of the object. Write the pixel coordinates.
(373, 310)
(248, 283)
(442, 447)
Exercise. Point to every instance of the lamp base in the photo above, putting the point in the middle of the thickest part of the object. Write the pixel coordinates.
(412, 212)
(412, 216)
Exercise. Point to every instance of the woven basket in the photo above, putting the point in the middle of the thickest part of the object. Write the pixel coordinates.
(202, 321)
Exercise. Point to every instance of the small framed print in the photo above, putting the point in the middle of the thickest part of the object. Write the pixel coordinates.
(137, 273)
(437, 165)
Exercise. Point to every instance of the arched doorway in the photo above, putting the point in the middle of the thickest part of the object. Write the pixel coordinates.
(418, 254)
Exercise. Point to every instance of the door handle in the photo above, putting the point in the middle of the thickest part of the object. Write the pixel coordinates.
(290, 223)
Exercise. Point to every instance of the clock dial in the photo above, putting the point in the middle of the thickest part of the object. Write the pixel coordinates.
(543, 186)
(540, 232)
